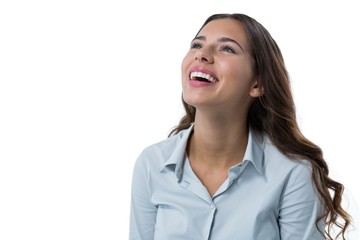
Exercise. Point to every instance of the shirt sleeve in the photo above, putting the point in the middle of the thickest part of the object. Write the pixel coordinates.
(142, 211)
(300, 206)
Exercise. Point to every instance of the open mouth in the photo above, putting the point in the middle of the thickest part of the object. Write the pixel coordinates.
(203, 77)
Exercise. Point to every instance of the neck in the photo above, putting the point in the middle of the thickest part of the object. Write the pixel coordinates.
(218, 141)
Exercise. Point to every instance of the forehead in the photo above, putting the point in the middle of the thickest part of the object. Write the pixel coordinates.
(225, 28)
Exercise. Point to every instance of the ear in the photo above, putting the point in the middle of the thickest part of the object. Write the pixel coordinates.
(256, 90)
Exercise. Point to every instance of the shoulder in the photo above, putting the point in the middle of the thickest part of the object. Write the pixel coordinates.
(293, 176)
(157, 154)
(286, 166)
(159, 150)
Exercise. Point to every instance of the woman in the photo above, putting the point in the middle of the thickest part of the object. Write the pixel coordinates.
(237, 165)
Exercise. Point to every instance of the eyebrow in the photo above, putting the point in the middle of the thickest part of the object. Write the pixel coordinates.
(222, 39)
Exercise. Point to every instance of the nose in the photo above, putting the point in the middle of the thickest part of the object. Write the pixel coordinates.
(203, 56)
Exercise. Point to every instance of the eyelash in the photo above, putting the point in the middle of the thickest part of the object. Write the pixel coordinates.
(225, 48)
(228, 49)
(196, 45)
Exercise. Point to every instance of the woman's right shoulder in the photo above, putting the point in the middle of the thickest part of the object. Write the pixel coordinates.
(162, 148)
(158, 153)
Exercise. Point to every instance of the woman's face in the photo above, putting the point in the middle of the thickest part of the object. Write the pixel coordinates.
(217, 72)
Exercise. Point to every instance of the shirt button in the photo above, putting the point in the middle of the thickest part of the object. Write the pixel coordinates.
(212, 206)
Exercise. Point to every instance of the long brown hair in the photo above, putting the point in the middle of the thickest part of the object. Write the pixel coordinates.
(274, 114)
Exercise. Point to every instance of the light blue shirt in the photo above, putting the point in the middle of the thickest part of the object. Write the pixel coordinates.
(267, 196)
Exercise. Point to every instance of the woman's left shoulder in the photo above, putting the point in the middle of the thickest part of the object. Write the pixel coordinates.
(275, 160)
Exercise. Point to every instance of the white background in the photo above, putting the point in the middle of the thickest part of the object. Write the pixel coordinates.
(86, 85)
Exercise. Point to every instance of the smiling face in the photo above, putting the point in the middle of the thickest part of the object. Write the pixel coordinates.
(217, 72)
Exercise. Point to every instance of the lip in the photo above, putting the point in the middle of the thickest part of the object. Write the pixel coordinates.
(196, 84)
(203, 70)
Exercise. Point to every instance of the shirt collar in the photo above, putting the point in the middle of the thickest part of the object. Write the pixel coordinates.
(175, 161)
(254, 152)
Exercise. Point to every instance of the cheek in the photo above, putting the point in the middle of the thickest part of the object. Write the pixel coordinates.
(237, 71)
(185, 66)
(185, 62)
(230, 71)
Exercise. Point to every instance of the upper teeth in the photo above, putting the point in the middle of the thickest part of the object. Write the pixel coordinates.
(202, 75)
